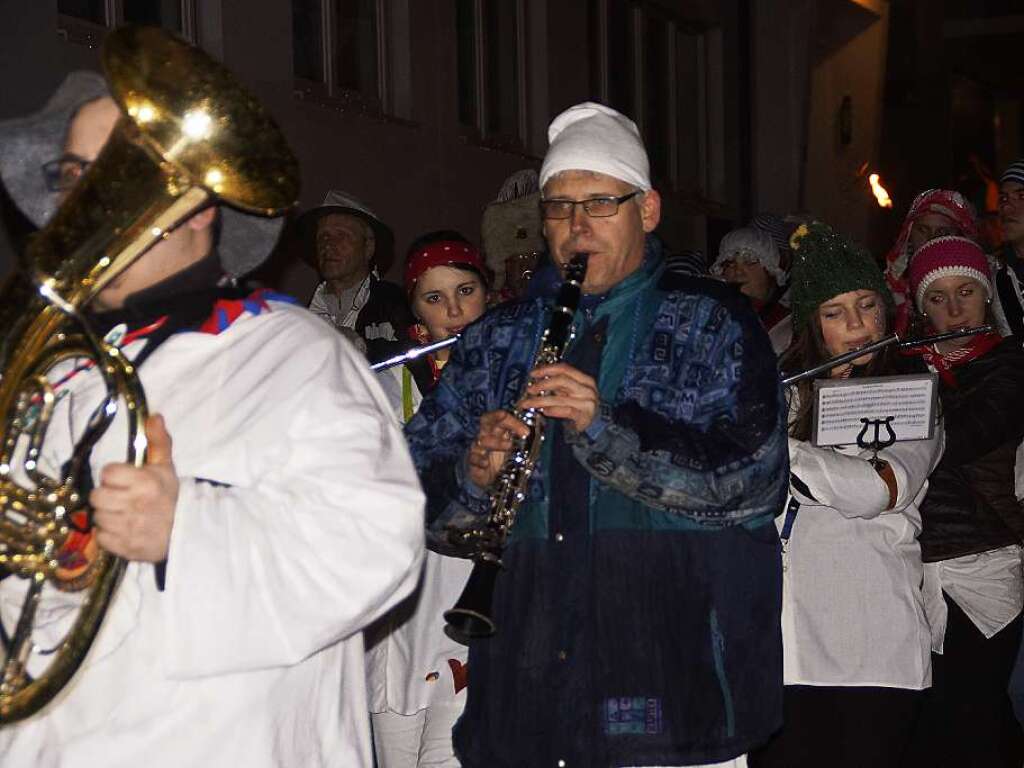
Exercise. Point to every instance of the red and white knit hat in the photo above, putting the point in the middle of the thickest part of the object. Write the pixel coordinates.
(947, 256)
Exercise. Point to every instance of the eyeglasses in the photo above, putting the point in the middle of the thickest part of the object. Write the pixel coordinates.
(598, 207)
(64, 172)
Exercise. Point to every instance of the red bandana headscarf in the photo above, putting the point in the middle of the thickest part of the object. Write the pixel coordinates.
(945, 202)
(443, 253)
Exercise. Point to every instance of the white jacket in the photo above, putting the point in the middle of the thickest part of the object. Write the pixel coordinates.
(853, 610)
(409, 657)
(312, 527)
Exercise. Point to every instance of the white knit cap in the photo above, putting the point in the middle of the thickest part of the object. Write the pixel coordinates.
(750, 242)
(593, 137)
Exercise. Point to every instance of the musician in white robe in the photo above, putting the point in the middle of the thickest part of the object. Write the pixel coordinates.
(277, 515)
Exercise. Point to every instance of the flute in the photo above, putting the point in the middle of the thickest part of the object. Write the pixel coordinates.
(881, 344)
(412, 354)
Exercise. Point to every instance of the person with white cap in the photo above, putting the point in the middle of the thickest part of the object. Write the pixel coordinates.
(350, 247)
(749, 259)
(638, 609)
(283, 518)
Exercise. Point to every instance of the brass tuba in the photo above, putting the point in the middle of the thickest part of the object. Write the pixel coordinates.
(189, 136)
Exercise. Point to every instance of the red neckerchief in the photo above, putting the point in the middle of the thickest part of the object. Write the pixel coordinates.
(944, 363)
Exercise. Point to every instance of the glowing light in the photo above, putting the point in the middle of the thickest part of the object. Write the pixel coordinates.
(197, 124)
(214, 179)
(142, 111)
(881, 195)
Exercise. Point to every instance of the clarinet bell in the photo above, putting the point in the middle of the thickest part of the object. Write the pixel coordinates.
(470, 617)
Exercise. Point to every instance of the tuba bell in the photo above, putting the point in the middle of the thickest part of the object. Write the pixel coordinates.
(189, 136)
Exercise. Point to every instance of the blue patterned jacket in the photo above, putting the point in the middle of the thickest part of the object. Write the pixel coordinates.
(642, 582)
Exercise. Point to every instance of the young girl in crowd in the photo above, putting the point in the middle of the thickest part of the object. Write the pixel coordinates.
(855, 637)
(973, 524)
(416, 674)
(749, 259)
(934, 213)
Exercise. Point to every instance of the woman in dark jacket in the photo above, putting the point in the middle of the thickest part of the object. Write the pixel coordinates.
(973, 524)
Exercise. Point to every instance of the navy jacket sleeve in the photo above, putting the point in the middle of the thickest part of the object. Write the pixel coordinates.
(439, 435)
(482, 375)
(712, 444)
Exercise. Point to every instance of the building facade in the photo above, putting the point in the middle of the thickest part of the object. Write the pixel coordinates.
(422, 108)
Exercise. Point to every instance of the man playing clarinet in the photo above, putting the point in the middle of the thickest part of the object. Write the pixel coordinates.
(637, 612)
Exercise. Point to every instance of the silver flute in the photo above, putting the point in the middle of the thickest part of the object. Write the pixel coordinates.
(412, 354)
(880, 344)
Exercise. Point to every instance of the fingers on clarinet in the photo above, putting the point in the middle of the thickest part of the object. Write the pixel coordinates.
(507, 421)
(563, 370)
(492, 442)
(509, 428)
(559, 412)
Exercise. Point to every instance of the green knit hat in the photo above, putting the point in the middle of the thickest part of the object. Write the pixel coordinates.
(826, 264)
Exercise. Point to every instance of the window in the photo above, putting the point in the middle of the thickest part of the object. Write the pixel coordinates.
(658, 97)
(94, 11)
(621, 72)
(337, 50)
(491, 54)
(667, 75)
(700, 113)
(613, 58)
(466, 50)
(571, 64)
(307, 40)
(158, 13)
(355, 54)
(85, 21)
(596, 61)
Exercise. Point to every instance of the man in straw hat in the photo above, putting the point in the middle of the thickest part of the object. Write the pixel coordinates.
(638, 611)
(284, 516)
(350, 247)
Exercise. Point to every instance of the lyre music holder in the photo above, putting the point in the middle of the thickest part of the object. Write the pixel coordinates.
(878, 442)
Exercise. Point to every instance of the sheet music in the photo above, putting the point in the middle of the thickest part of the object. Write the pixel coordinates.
(841, 404)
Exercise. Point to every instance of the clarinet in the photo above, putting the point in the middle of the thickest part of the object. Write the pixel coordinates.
(470, 617)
